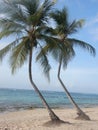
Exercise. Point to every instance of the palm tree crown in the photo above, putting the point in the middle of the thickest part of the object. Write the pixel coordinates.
(62, 44)
(64, 29)
(25, 21)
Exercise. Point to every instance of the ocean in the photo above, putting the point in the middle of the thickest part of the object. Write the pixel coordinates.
(16, 99)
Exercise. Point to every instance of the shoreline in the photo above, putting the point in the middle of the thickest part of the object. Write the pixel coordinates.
(35, 118)
(16, 109)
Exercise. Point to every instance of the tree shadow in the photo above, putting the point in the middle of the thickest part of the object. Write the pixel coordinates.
(55, 123)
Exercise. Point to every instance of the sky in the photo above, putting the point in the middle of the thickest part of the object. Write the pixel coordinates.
(81, 74)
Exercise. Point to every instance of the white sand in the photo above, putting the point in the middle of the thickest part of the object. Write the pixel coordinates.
(34, 120)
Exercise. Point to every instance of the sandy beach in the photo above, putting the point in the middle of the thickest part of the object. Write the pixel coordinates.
(36, 118)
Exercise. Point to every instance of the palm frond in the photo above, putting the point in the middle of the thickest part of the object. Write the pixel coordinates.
(10, 25)
(13, 11)
(31, 6)
(68, 54)
(47, 5)
(42, 14)
(19, 55)
(7, 33)
(82, 44)
(51, 31)
(43, 60)
(7, 49)
(75, 25)
(60, 16)
(52, 45)
(55, 47)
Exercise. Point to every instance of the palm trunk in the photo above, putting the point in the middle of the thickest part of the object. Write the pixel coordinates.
(51, 113)
(81, 114)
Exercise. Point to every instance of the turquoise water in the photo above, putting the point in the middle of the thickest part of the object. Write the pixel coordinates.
(14, 99)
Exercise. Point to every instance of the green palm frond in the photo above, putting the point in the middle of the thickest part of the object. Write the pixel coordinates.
(7, 33)
(43, 60)
(47, 5)
(67, 55)
(6, 49)
(66, 52)
(82, 44)
(40, 17)
(10, 25)
(54, 47)
(50, 39)
(13, 11)
(51, 31)
(19, 55)
(30, 6)
(60, 17)
(75, 25)
(42, 56)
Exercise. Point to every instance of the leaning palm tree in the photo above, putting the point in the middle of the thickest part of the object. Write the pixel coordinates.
(64, 51)
(64, 29)
(25, 21)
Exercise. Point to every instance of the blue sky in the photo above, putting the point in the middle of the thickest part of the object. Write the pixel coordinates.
(81, 74)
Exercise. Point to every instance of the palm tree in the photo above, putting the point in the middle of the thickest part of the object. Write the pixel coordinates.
(64, 51)
(25, 21)
(64, 30)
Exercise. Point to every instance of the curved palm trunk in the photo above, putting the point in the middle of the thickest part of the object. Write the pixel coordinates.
(51, 113)
(81, 114)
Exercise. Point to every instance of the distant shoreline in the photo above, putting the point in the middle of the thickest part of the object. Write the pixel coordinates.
(15, 89)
